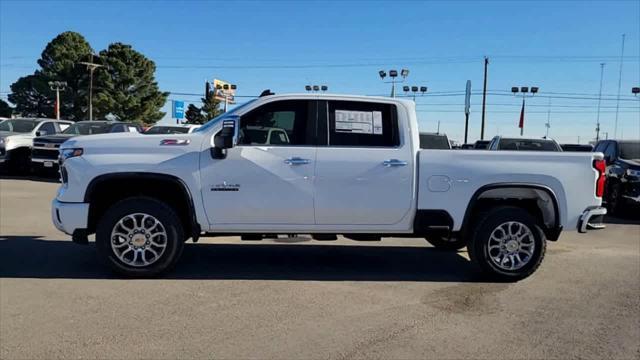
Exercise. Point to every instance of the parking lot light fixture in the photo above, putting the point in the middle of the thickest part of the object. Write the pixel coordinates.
(308, 87)
(635, 91)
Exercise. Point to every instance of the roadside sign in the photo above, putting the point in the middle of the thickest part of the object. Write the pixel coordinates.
(224, 91)
(177, 109)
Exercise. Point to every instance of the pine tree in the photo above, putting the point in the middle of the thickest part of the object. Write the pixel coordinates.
(127, 87)
(199, 115)
(5, 109)
(32, 96)
(58, 62)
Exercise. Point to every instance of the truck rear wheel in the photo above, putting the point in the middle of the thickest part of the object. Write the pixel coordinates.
(140, 237)
(507, 244)
(445, 243)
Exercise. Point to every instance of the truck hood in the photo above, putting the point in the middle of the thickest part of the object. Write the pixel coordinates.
(55, 139)
(6, 134)
(133, 143)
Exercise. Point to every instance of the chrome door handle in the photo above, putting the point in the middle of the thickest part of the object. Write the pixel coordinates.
(296, 161)
(394, 162)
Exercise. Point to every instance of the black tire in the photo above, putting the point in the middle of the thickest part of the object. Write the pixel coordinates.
(444, 243)
(613, 199)
(168, 220)
(19, 162)
(478, 246)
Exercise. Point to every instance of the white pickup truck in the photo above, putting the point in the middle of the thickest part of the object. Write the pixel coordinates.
(349, 165)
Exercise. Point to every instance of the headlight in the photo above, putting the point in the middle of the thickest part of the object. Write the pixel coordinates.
(69, 153)
(3, 141)
(633, 173)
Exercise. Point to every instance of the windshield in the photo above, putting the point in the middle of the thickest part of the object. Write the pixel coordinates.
(528, 145)
(211, 123)
(18, 125)
(167, 130)
(630, 150)
(87, 128)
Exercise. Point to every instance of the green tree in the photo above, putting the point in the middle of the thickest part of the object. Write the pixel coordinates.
(5, 109)
(199, 115)
(193, 115)
(58, 61)
(127, 86)
(32, 96)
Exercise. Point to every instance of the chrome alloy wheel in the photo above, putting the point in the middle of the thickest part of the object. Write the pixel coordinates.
(138, 239)
(511, 245)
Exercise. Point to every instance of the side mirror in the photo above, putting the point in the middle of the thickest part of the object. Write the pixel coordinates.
(226, 138)
(41, 133)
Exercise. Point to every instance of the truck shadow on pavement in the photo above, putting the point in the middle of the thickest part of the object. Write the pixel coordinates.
(31, 257)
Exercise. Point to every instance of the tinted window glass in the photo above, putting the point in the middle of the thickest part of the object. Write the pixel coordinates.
(20, 126)
(167, 130)
(610, 151)
(353, 123)
(48, 127)
(87, 128)
(528, 145)
(630, 150)
(288, 118)
(434, 141)
(119, 128)
(600, 146)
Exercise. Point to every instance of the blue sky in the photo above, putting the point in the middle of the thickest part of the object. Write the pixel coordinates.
(283, 46)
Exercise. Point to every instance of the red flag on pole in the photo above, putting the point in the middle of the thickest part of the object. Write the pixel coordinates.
(521, 125)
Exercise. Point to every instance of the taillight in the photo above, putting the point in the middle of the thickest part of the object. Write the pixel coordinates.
(601, 166)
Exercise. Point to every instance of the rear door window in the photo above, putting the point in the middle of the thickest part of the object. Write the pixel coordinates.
(362, 124)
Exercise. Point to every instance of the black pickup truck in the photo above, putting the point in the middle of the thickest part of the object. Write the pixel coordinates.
(44, 153)
(623, 173)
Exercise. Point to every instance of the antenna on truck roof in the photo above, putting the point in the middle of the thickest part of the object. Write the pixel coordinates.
(266, 93)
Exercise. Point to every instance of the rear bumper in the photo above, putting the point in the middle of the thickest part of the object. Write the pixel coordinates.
(69, 217)
(585, 223)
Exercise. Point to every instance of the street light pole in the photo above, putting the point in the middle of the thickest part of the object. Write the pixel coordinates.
(57, 86)
(91, 66)
(524, 90)
(599, 101)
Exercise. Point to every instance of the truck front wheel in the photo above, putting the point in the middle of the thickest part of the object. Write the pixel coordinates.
(139, 237)
(507, 244)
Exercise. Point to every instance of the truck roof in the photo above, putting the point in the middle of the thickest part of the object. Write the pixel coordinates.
(331, 96)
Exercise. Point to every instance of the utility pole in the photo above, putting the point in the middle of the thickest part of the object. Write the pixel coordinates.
(57, 86)
(599, 101)
(548, 124)
(615, 126)
(467, 109)
(91, 67)
(484, 96)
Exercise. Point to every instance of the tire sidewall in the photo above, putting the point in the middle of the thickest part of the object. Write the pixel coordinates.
(486, 226)
(155, 208)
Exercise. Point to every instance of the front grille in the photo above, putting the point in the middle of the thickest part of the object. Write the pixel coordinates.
(49, 154)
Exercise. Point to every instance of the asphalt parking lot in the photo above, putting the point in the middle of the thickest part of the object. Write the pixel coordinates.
(294, 298)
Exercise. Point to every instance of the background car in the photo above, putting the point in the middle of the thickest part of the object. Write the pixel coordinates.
(523, 144)
(45, 148)
(623, 174)
(434, 141)
(171, 129)
(577, 147)
(16, 139)
(481, 144)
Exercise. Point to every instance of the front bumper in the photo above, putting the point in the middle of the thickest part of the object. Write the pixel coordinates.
(585, 222)
(69, 217)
